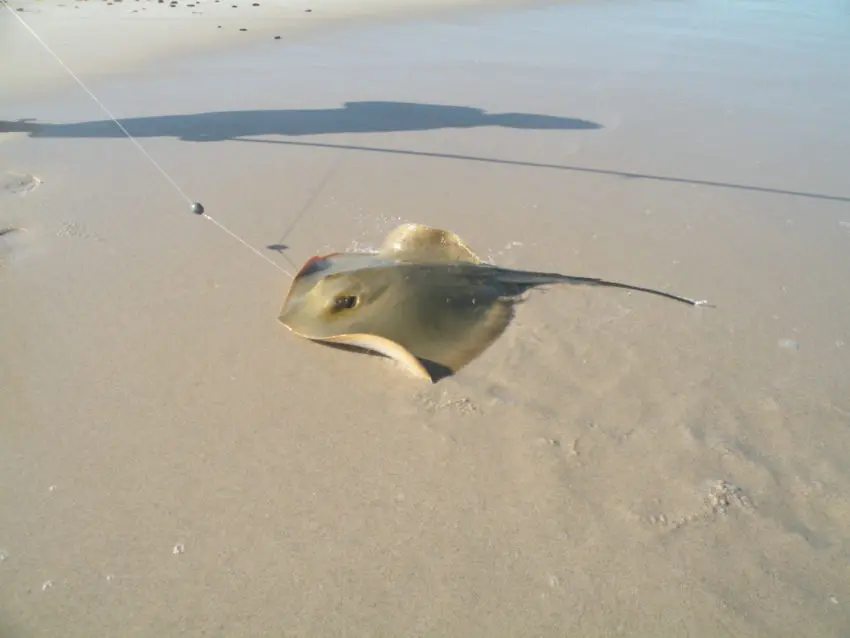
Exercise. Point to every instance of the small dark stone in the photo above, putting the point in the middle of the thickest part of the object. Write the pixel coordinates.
(277, 37)
(256, 4)
(243, 29)
(308, 11)
(198, 208)
(219, 26)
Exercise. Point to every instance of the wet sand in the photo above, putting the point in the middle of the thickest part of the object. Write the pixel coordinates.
(175, 462)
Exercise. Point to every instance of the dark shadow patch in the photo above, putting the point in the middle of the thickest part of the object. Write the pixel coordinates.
(23, 125)
(358, 117)
(352, 117)
(437, 371)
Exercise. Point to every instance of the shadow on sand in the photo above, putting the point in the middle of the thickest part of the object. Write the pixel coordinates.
(358, 117)
(352, 117)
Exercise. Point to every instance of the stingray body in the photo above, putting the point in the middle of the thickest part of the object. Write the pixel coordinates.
(424, 299)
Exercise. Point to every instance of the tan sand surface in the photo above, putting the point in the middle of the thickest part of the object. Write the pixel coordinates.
(174, 462)
(97, 38)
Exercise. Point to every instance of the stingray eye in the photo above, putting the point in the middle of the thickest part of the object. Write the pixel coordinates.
(344, 302)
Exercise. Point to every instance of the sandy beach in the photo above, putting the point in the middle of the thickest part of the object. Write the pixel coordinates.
(175, 462)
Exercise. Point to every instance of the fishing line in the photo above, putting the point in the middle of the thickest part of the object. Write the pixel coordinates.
(196, 207)
(334, 165)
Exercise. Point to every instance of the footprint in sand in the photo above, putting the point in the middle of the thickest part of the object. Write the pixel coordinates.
(8, 238)
(17, 243)
(77, 231)
(20, 184)
(437, 404)
(721, 496)
(441, 413)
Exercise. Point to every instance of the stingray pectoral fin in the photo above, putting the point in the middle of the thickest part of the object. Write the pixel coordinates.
(385, 347)
(423, 244)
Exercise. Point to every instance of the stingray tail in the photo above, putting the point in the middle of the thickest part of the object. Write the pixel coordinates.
(526, 280)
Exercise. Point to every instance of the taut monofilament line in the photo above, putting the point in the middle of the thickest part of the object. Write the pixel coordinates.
(196, 207)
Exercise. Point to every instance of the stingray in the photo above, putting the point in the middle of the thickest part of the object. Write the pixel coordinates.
(424, 299)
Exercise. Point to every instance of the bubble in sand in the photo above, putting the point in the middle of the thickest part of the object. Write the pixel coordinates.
(789, 344)
(46, 585)
(3, 555)
(179, 548)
